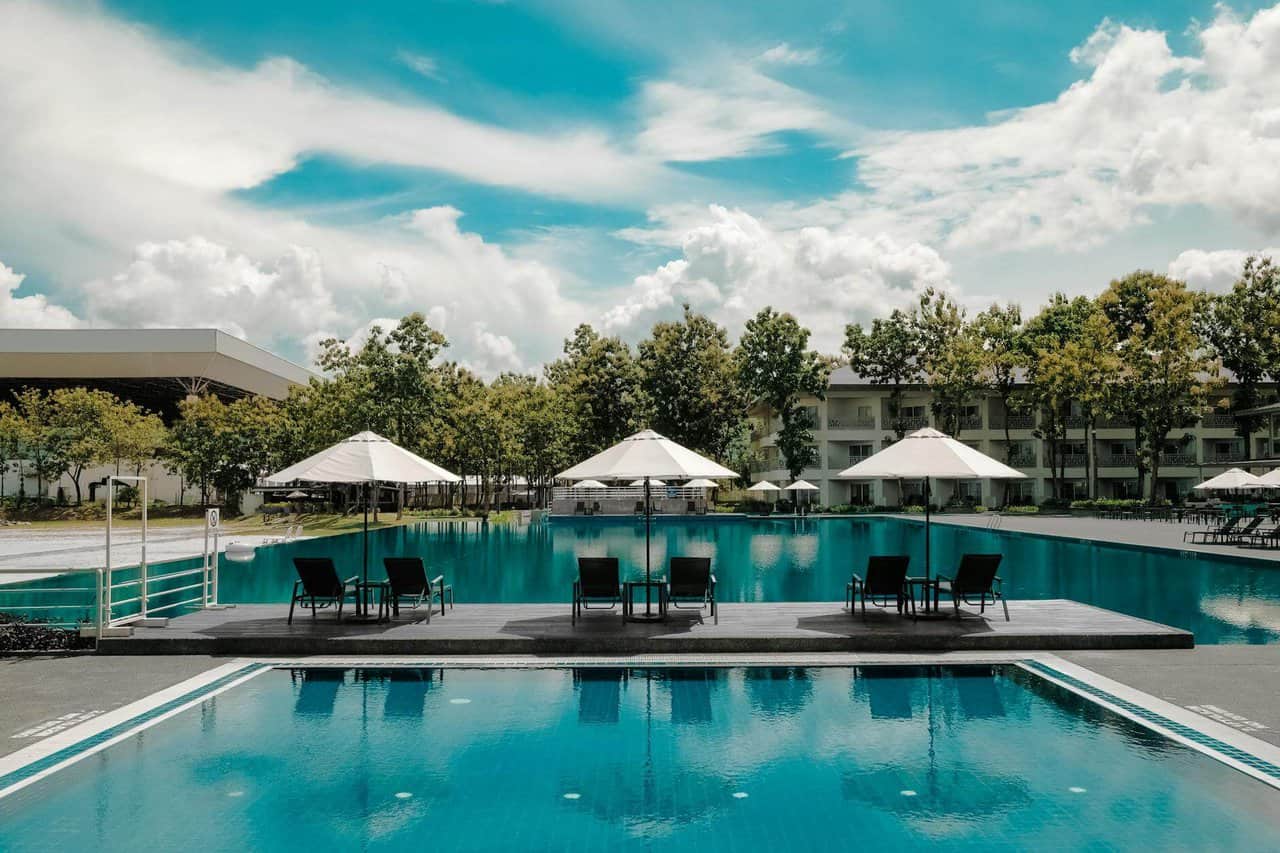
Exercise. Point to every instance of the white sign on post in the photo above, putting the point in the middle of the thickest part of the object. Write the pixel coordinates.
(212, 517)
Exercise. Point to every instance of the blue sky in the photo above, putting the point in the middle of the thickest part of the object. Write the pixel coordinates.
(294, 170)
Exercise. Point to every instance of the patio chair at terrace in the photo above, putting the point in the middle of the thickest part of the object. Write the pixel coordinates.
(1243, 532)
(691, 586)
(886, 579)
(976, 576)
(597, 586)
(318, 586)
(408, 579)
(1206, 537)
(1268, 539)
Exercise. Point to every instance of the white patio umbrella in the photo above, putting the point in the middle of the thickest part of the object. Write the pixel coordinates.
(651, 482)
(1234, 480)
(1272, 477)
(702, 483)
(924, 454)
(763, 486)
(800, 486)
(647, 456)
(590, 484)
(365, 458)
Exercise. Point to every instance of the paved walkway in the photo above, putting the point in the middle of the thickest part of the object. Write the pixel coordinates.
(1154, 534)
(1234, 685)
(261, 629)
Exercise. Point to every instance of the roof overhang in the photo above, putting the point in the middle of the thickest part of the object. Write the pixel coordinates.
(187, 354)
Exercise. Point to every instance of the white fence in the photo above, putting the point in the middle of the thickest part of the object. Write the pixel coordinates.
(627, 493)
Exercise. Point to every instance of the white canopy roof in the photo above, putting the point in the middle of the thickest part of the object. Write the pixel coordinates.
(929, 453)
(801, 486)
(1235, 478)
(702, 483)
(764, 486)
(653, 481)
(364, 458)
(1272, 476)
(646, 454)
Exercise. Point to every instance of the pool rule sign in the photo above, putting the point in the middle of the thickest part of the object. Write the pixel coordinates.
(212, 521)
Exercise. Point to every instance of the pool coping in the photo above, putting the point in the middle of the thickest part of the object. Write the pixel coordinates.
(1229, 746)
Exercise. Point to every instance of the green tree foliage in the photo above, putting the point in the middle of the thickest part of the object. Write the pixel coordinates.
(776, 367)
(953, 358)
(999, 329)
(1241, 328)
(887, 354)
(598, 381)
(690, 383)
(1171, 377)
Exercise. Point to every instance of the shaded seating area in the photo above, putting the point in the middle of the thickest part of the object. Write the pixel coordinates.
(976, 577)
(1268, 539)
(886, 581)
(318, 586)
(598, 585)
(1213, 536)
(407, 583)
(692, 586)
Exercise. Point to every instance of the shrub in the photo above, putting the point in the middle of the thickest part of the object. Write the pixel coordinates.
(1022, 509)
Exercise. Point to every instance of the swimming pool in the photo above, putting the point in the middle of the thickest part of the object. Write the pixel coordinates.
(792, 758)
(1219, 600)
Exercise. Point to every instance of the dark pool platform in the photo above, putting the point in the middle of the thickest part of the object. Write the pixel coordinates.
(260, 629)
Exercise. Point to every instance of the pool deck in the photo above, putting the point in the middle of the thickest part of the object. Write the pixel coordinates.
(546, 629)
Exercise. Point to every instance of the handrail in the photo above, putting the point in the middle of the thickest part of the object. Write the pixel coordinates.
(97, 590)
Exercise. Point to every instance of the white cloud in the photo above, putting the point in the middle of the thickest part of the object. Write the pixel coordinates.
(29, 312)
(734, 264)
(196, 282)
(1213, 270)
(421, 64)
(733, 111)
(784, 54)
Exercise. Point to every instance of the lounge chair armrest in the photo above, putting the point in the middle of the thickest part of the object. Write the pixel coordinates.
(946, 578)
(712, 579)
(997, 581)
(857, 579)
(351, 580)
(438, 579)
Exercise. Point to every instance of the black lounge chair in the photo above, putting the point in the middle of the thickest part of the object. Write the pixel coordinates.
(691, 507)
(976, 576)
(886, 579)
(318, 586)
(639, 510)
(692, 583)
(597, 586)
(1268, 539)
(1242, 532)
(595, 508)
(408, 579)
(580, 508)
(1208, 537)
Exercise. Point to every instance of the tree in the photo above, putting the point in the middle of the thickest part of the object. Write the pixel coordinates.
(195, 448)
(1086, 367)
(1170, 375)
(133, 436)
(1050, 384)
(1000, 331)
(887, 355)
(952, 357)
(1241, 328)
(39, 437)
(776, 367)
(598, 380)
(690, 383)
(10, 444)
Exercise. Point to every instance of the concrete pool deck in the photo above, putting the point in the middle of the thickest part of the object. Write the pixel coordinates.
(261, 629)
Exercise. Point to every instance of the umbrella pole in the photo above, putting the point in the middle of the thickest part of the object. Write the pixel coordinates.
(365, 569)
(928, 565)
(648, 516)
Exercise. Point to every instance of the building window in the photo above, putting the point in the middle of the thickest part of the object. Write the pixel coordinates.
(860, 494)
(858, 452)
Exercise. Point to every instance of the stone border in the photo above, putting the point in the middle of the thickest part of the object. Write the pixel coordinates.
(27, 765)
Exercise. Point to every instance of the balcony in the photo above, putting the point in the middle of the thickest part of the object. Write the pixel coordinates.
(1218, 420)
(1022, 460)
(1071, 460)
(971, 422)
(1118, 460)
(909, 423)
(851, 423)
(1075, 421)
(1115, 423)
(1179, 459)
(1014, 422)
(1225, 458)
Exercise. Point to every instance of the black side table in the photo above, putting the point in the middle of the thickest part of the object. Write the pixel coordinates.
(926, 586)
(652, 588)
(367, 590)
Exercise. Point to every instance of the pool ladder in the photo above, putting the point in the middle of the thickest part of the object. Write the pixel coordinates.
(994, 522)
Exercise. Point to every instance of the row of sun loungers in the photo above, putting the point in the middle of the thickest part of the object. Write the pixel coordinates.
(689, 585)
(1250, 534)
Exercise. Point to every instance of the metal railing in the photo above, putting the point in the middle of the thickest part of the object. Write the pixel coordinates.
(37, 605)
(851, 423)
(1115, 423)
(1178, 459)
(1071, 460)
(625, 493)
(909, 423)
(1219, 420)
(1223, 458)
(1118, 460)
(1022, 460)
(1014, 422)
(971, 422)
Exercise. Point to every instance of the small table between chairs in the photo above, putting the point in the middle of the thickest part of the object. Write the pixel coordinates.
(379, 590)
(926, 585)
(652, 588)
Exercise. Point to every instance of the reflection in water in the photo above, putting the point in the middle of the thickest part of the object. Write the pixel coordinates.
(317, 691)
(778, 691)
(690, 693)
(784, 560)
(406, 690)
(599, 694)
(888, 690)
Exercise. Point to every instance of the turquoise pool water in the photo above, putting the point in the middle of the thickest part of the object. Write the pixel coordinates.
(1220, 600)
(875, 758)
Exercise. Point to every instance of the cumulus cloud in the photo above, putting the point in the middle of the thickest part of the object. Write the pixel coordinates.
(29, 312)
(1145, 128)
(734, 264)
(1215, 270)
(421, 64)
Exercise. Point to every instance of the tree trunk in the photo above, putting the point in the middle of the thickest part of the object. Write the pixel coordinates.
(75, 480)
(1090, 460)
(1008, 442)
(1139, 463)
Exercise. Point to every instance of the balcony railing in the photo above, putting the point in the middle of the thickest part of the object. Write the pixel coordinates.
(1022, 460)
(1071, 460)
(1075, 421)
(1223, 458)
(971, 422)
(1118, 460)
(1178, 459)
(1115, 423)
(910, 423)
(1219, 420)
(1014, 422)
(851, 423)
